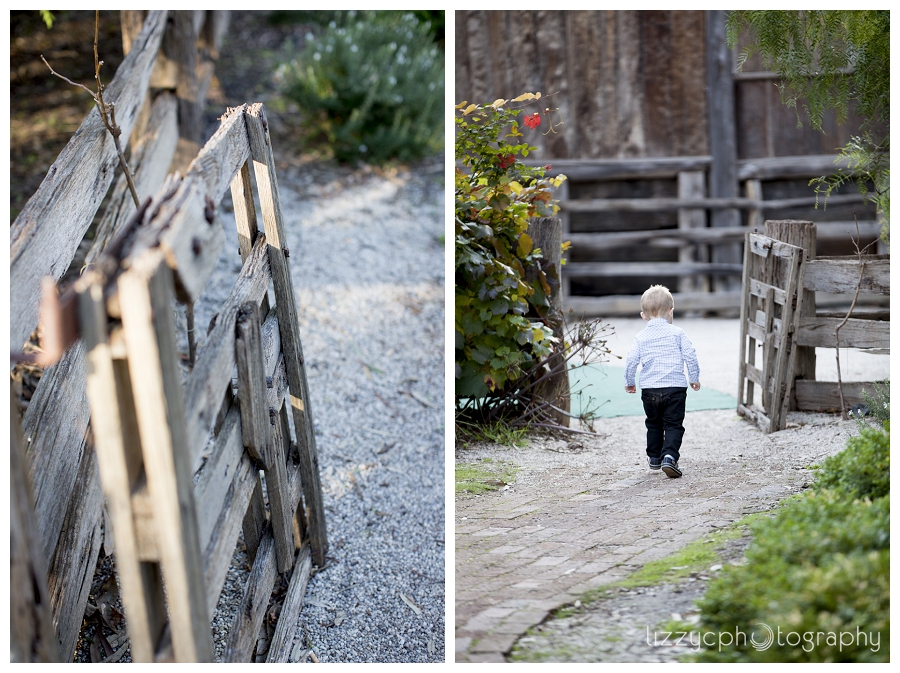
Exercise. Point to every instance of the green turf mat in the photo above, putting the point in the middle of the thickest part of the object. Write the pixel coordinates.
(602, 393)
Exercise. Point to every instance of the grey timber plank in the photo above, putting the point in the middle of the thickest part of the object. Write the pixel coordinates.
(146, 292)
(45, 235)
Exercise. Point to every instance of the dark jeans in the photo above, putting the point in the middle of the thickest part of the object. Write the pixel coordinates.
(665, 414)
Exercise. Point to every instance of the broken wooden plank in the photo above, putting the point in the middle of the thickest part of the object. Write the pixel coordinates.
(273, 222)
(252, 609)
(856, 333)
(283, 638)
(756, 416)
(146, 291)
(47, 232)
(842, 275)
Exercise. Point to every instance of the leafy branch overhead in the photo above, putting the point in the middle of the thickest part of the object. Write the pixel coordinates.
(496, 194)
(832, 60)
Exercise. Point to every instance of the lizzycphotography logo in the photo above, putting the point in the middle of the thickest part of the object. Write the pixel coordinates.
(763, 637)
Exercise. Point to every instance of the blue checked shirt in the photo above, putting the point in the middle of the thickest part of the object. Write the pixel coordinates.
(662, 350)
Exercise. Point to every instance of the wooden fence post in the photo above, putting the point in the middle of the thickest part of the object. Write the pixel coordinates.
(692, 185)
(546, 233)
(801, 233)
(723, 180)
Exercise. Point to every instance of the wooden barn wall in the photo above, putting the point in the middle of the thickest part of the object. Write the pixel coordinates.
(630, 84)
(766, 127)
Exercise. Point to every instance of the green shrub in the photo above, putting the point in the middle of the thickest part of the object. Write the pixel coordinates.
(496, 194)
(373, 88)
(862, 470)
(820, 565)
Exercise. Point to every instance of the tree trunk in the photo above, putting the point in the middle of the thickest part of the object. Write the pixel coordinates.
(546, 233)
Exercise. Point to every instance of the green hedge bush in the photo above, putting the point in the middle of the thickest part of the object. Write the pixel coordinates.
(862, 470)
(821, 565)
(373, 88)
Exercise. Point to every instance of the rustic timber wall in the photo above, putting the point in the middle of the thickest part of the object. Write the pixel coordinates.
(68, 501)
(654, 112)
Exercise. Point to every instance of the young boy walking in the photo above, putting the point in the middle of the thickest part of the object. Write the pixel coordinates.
(662, 350)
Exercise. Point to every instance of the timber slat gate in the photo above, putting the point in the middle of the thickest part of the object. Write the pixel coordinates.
(772, 279)
(779, 312)
(151, 432)
(159, 92)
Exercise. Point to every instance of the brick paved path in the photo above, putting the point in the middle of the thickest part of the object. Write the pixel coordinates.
(588, 512)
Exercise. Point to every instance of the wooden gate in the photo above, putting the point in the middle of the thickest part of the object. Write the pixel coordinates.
(181, 463)
(770, 298)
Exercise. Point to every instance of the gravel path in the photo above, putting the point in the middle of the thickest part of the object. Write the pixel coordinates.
(370, 284)
(585, 512)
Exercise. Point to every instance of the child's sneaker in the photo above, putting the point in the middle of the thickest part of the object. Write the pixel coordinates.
(655, 463)
(670, 467)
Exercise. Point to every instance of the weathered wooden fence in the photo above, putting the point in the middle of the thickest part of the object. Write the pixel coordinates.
(780, 315)
(627, 218)
(59, 452)
(183, 481)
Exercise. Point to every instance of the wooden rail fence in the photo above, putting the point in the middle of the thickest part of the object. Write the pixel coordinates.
(60, 461)
(183, 481)
(694, 238)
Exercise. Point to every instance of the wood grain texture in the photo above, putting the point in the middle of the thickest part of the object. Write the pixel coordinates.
(31, 618)
(824, 395)
(149, 161)
(244, 210)
(840, 275)
(692, 184)
(283, 638)
(72, 566)
(301, 407)
(856, 333)
(252, 384)
(252, 609)
(147, 293)
(114, 424)
(803, 234)
(215, 362)
(57, 417)
(45, 235)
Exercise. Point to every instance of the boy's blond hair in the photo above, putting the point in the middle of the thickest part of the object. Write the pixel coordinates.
(657, 301)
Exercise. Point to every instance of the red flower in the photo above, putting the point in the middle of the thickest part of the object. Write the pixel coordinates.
(547, 167)
(506, 161)
(533, 121)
